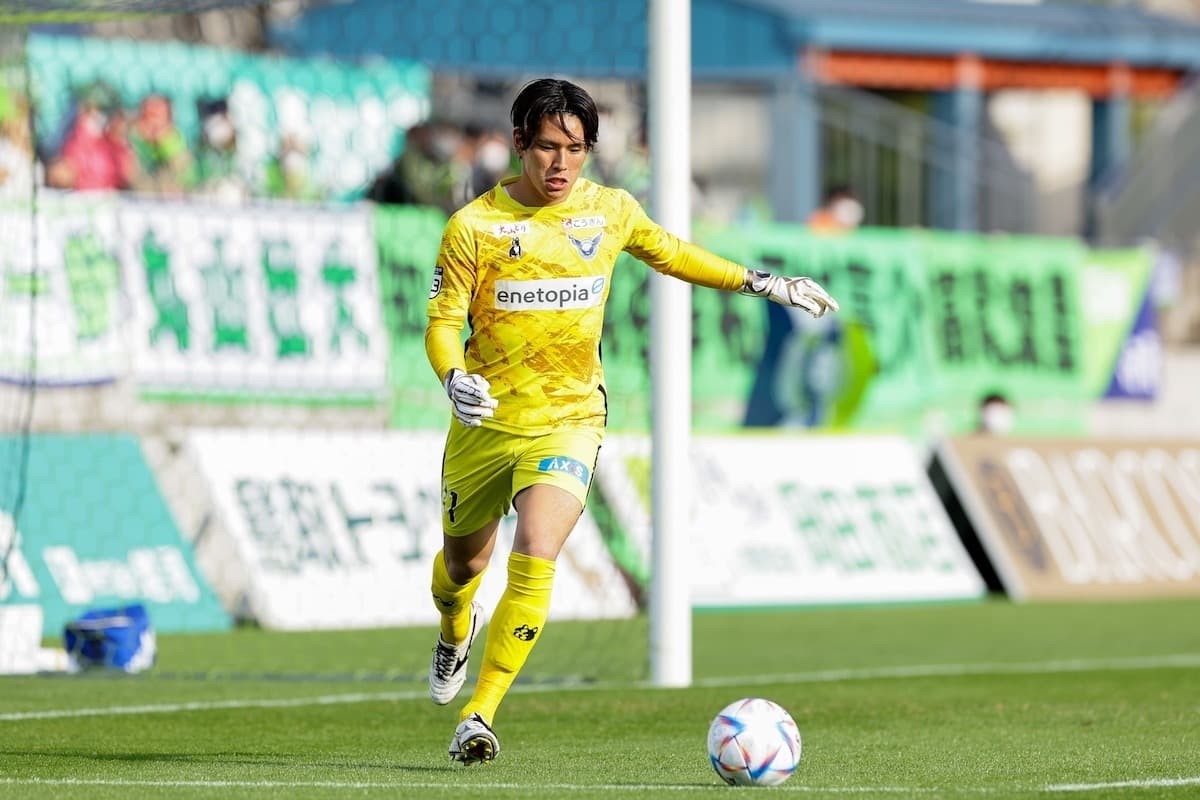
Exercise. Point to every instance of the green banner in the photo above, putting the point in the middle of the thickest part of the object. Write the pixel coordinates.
(931, 322)
(408, 238)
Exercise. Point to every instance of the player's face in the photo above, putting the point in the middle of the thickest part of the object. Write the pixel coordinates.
(551, 163)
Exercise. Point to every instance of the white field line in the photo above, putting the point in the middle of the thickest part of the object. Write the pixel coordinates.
(1148, 783)
(1181, 661)
(528, 788)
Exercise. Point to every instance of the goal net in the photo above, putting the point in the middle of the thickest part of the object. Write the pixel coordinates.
(220, 221)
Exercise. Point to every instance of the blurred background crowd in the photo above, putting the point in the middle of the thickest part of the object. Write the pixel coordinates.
(937, 117)
(107, 144)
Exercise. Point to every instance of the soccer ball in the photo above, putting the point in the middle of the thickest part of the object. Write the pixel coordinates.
(754, 742)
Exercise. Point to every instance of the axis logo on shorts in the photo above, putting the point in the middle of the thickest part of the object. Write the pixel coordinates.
(567, 465)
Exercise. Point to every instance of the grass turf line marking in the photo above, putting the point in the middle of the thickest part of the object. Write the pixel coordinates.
(213, 705)
(1147, 783)
(1185, 660)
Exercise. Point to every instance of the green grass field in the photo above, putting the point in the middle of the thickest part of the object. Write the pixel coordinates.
(988, 699)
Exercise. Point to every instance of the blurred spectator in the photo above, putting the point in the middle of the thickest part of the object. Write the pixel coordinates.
(16, 146)
(491, 159)
(996, 415)
(622, 158)
(289, 174)
(161, 150)
(433, 169)
(215, 170)
(96, 153)
(842, 212)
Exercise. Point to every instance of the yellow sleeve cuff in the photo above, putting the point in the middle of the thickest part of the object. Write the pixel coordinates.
(443, 346)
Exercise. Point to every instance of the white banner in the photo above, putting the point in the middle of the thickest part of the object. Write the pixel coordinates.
(785, 519)
(65, 309)
(261, 300)
(339, 529)
(1082, 518)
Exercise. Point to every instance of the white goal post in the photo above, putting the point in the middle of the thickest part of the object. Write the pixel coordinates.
(669, 88)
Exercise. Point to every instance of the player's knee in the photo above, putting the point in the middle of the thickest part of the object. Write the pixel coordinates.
(462, 571)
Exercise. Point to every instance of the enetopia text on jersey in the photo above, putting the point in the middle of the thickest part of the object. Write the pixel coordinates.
(554, 293)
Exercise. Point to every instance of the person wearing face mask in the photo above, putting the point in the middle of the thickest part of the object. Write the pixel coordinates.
(433, 169)
(96, 154)
(996, 415)
(527, 266)
(841, 213)
(493, 159)
(215, 172)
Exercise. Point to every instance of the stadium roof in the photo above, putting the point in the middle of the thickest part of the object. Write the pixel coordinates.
(1043, 31)
(735, 37)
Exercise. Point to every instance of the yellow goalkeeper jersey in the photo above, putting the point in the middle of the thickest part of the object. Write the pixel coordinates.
(532, 284)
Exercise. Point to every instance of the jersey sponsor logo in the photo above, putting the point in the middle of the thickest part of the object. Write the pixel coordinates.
(550, 294)
(570, 466)
(576, 223)
(514, 250)
(437, 283)
(506, 229)
(587, 247)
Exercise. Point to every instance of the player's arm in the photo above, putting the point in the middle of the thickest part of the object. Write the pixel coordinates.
(670, 255)
(449, 300)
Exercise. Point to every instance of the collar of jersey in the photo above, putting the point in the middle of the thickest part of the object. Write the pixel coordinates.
(505, 200)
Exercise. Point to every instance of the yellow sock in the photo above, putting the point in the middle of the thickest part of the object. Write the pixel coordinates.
(453, 601)
(513, 631)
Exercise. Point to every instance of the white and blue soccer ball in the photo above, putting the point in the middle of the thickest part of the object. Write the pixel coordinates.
(754, 742)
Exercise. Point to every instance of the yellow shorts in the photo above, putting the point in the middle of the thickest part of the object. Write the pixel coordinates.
(483, 470)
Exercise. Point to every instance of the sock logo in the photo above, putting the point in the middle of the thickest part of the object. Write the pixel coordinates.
(443, 603)
(524, 632)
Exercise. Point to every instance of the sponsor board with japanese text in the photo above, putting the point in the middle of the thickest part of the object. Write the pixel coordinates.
(1076, 518)
(339, 529)
(796, 520)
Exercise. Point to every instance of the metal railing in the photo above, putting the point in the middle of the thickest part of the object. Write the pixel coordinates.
(894, 156)
(1156, 194)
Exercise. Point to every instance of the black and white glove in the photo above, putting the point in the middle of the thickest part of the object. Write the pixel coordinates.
(802, 293)
(469, 397)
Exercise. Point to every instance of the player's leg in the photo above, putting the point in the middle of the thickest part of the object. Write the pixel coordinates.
(475, 494)
(551, 482)
(545, 517)
(457, 572)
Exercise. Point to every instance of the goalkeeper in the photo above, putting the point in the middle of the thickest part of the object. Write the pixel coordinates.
(528, 266)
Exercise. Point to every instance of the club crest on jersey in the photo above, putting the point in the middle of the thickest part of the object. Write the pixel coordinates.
(586, 246)
(437, 283)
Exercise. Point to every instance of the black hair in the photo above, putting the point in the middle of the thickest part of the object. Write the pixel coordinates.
(839, 191)
(554, 98)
